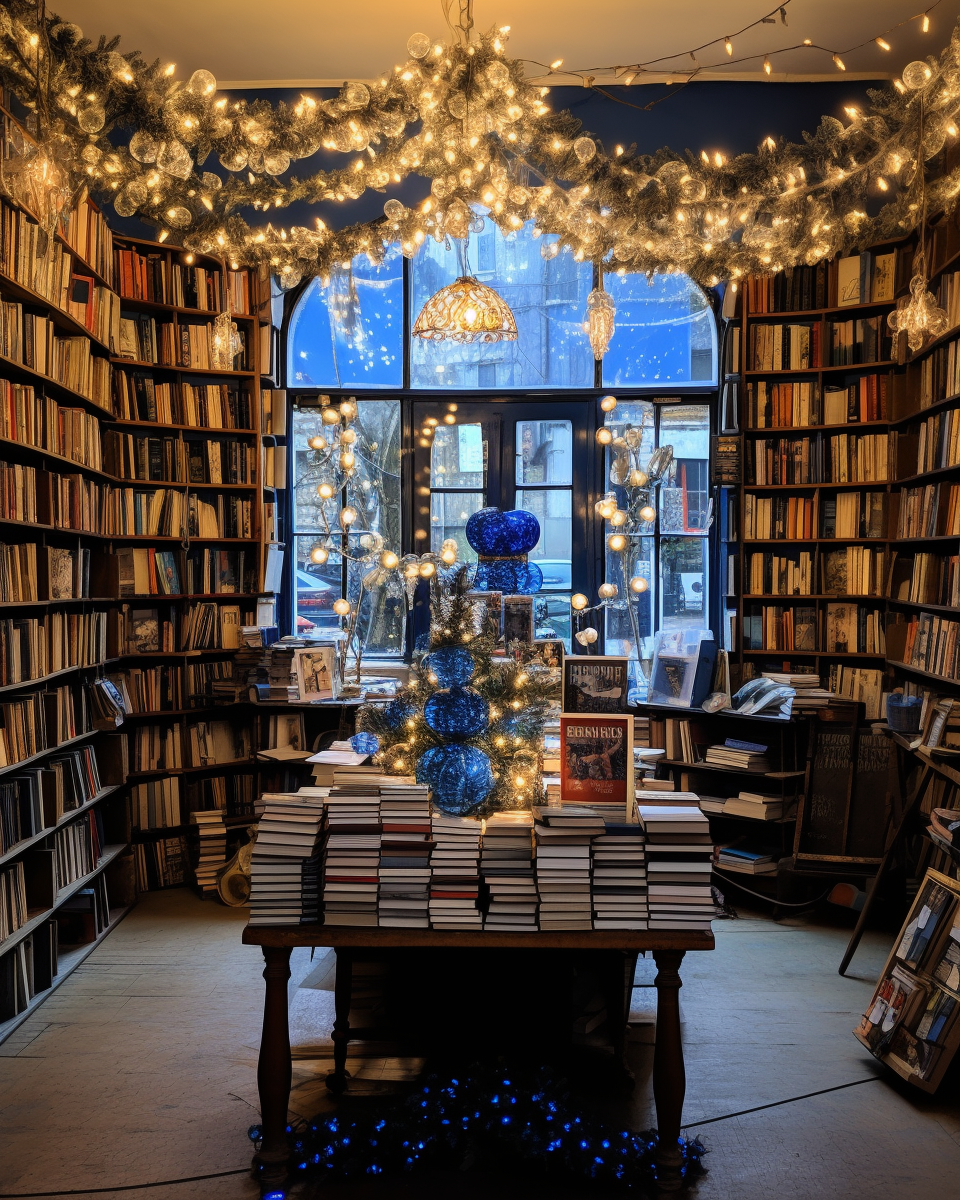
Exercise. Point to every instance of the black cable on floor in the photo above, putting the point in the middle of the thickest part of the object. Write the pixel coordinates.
(772, 900)
(774, 1104)
(122, 1187)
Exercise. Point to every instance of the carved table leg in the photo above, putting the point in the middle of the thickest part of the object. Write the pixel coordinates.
(273, 1068)
(619, 968)
(669, 1080)
(337, 1082)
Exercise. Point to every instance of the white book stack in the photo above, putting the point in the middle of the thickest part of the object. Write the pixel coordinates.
(506, 865)
(351, 859)
(679, 863)
(283, 883)
(563, 837)
(213, 847)
(404, 855)
(455, 873)
(620, 878)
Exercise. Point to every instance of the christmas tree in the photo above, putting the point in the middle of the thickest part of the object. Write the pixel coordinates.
(469, 725)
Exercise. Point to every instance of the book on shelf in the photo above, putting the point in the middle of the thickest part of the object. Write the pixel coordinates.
(746, 861)
(161, 863)
(854, 571)
(938, 442)
(854, 515)
(773, 517)
(860, 340)
(788, 405)
(780, 627)
(273, 411)
(939, 375)
(864, 684)
(771, 573)
(930, 510)
(794, 347)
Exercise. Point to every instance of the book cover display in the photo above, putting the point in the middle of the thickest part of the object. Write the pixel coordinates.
(596, 759)
(595, 684)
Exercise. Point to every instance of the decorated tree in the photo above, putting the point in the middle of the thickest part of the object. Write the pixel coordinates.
(469, 725)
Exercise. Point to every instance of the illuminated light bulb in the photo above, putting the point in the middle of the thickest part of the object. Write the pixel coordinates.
(330, 416)
(951, 129)
(500, 741)
(839, 63)
(389, 561)
(558, 63)
(348, 409)
(448, 557)
(586, 637)
(431, 421)
(431, 678)
(616, 542)
(319, 554)
(638, 584)
(882, 43)
(608, 403)
(348, 460)
(647, 513)
(604, 436)
(638, 478)
(882, 183)
(317, 443)
(341, 607)
(519, 780)
(925, 23)
(348, 436)
(521, 679)
(515, 704)
(348, 514)
(578, 602)
(607, 591)
(728, 46)
(398, 762)
(325, 491)
(427, 570)
(449, 419)
(899, 86)
(767, 66)
(606, 508)
(619, 518)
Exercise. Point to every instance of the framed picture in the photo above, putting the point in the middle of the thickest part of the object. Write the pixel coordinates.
(488, 607)
(547, 652)
(596, 759)
(517, 619)
(317, 674)
(595, 684)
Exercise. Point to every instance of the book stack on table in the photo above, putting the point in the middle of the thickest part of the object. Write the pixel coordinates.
(405, 846)
(562, 837)
(679, 862)
(620, 878)
(284, 864)
(351, 860)
(747, 862)
(455, 873)
(506, 865)
(213, 847)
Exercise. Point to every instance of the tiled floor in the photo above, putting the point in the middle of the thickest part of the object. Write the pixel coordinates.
(141, 1069)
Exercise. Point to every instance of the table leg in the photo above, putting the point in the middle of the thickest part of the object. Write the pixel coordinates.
(273, 1068)
(337, 1082)
(669, 1079)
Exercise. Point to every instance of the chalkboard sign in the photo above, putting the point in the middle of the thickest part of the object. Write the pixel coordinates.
(874, 787)
(822, 825)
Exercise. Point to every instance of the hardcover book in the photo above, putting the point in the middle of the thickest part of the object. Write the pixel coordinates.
(594, 684)
(596, 759)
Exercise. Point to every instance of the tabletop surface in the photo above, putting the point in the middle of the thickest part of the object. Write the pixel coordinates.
(568, 939)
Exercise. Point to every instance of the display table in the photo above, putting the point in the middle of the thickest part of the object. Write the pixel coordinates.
(274, 1069)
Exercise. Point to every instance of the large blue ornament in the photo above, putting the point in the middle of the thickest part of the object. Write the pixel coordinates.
(513, 577)
(499, 534)
(458, 776)
(398, 712)
(365, 743)
(452, 665)
(458, 713)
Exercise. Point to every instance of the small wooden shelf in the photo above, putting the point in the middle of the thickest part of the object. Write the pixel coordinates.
(149, 366)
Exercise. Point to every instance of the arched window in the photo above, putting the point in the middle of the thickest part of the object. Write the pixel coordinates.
(666, 335)
(349, 334)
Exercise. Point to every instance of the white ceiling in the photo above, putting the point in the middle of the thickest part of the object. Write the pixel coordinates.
(317, 42)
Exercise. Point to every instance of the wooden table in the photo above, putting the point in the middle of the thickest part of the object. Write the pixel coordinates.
(274, 1071)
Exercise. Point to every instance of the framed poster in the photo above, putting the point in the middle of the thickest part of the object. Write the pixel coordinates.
(596, 759)
(595, 684)
(517, 619)
(317, 673)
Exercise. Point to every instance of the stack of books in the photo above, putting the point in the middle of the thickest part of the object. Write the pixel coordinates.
(213, 847)
(754, 805)
(748, 862)
(455, 873)
(351, 861)
(739, 756)
(809, 693)
(405, 846)
(284, 865)
(620, 878)
(506, 864)
(679, 858)
(562, 837)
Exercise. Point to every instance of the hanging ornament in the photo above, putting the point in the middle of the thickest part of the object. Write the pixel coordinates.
(599, 325)
(921, 317)
(227, 343)
(466, 311)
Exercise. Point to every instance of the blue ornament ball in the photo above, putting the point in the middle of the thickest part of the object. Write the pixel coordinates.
(398, 712)
(459, 777)
(499, 534)
(365, 743)
(513, 578)
(457, 713)
(452, 665)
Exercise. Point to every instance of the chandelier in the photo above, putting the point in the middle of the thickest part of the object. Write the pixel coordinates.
(466, 311)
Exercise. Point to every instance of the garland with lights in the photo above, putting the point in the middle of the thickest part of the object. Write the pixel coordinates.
(482, 1115)
(497, 765)
(485, 137)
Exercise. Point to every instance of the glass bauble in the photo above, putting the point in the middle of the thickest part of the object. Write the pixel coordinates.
(452, 665)
(513, 577)
(174, 158)
(143, 147)
(457, 713)
(398, 712)
(365, 743)
(459, 777)
(498, 534)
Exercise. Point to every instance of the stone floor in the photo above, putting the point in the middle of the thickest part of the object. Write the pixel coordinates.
(140, 1069)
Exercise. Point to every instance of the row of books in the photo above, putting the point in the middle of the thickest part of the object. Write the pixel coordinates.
(932, 645)
(86, 231)
(34, 420)
(848, 571)
(212, 626)
(938, 442)
(13, 900)
(137, 396)
(940, 375)
(803, 347)
(924, 578)
(18, 493)
(143, 339)
(78, 847)
(36, 646)
(819, 458)
(146, 571)
(166, 512)
(854, 515)
(931, 510)
(155, 803)
(33, 341)
(165, 688)
(139, 456)
(867, 278)
(41, 796)
(864, 684)
(840, 629)
(790, 517)
(41, 721)
(162, 280)
(772, 574)
(161, 863)
(796, 404)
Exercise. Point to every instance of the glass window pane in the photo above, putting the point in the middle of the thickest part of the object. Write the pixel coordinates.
(683, 583)
(552, 617)
(619, 632)
(548, 297)
(383, 612)
(317, 586)
(350, 333)
(684, 497)
(553, 552)
(665, 332)
(449, 513)
(544, 452)
(458, 456)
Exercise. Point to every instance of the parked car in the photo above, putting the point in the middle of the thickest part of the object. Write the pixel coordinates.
(315, 599)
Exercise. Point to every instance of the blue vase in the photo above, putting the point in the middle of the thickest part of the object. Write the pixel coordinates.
(452, 665)
(457, 713)
(502, 534)
(459, 777)
(512, 577)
